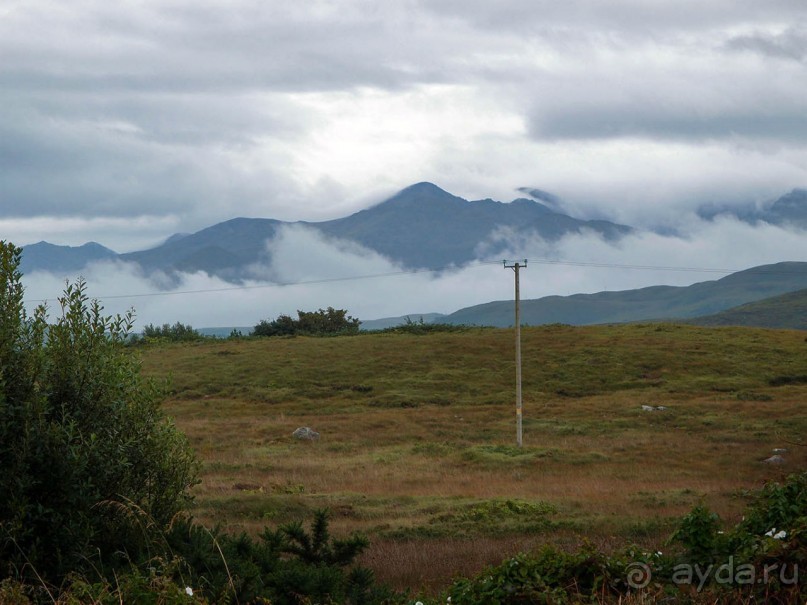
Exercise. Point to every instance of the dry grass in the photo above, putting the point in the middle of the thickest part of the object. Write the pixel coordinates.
(418, 434)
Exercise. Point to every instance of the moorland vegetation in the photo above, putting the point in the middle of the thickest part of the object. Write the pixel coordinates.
(642, 460)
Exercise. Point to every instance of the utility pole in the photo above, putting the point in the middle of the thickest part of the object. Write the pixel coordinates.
(515, 267)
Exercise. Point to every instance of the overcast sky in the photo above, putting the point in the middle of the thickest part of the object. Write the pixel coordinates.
(124, 122)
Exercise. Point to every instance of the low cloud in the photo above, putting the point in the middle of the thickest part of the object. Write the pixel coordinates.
(308, 272)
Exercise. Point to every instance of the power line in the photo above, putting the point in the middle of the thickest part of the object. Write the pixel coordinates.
(548, 261)
(281, 284)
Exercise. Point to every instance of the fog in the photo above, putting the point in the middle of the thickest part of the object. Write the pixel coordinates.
(308, 272)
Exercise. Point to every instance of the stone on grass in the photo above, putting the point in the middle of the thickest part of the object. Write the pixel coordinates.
(775, 459)
(305, 434)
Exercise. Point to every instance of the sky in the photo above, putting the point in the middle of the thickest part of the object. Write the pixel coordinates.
(125, 122)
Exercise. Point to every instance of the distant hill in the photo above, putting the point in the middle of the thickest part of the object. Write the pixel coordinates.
(224, 332)
(43, 256)
(656, 302)
(784, 311)
(391, 322)
(421, 227)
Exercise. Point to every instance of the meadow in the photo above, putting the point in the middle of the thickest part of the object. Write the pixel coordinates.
(417, 446)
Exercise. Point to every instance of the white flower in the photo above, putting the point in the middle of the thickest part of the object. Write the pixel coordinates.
(419, 603)
(770, 533)
(189, 591)
(780, 535)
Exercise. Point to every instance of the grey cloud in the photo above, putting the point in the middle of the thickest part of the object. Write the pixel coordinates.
(790, 44)
(658, 124)
(195, 47)
(60, 164)
(192, 108)
(630, 19)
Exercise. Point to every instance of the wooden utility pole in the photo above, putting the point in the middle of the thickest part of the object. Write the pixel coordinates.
(515, 267)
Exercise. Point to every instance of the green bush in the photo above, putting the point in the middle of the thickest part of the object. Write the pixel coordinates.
(324, 322)
(178, 332)
(761, 559)
(549, 576)
(286, 566)
(420, 327)
(89, 465)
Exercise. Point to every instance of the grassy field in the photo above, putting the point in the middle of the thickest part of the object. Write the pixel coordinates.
(417, 445)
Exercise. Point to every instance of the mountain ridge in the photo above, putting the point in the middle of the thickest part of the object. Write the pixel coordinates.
(420, 227)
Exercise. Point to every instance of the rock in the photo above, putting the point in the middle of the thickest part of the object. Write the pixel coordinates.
(648, 408)
(305, 434)
(661, 408)
(775, 459)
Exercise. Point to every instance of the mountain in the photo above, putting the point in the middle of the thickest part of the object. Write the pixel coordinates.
(421, 227)
(791, 208)
(784, 311)
(424, 226)
(788, 210)
(656, 302)
(225, 249)
(43, 256)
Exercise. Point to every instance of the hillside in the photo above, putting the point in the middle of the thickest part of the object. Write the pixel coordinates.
(785, 311)
(669, 302)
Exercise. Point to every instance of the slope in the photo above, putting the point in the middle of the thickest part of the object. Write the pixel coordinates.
(646, 303)
(784, 311)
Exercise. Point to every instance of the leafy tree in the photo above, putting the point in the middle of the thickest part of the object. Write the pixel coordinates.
(284, 325)
(88, 462)
(324, 322)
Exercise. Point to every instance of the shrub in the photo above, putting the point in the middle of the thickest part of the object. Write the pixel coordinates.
(420, 327)
(287, 566)
(178, 332)
(86, 455)
(324, 322)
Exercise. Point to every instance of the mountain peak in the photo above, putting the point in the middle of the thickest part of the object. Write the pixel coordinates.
(551, 200)
(789, 208)
(418, 196)
(424, 187)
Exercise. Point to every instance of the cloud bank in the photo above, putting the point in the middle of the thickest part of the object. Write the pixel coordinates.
(308, 272)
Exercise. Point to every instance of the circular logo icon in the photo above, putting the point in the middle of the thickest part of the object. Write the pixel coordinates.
(638, 575)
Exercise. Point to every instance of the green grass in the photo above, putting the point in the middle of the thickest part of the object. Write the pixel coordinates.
(418, 432)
